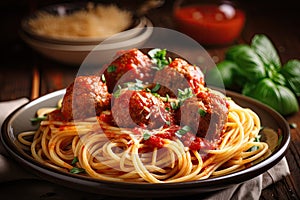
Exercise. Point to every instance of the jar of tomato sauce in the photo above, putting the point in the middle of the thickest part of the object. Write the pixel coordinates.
(209, 22)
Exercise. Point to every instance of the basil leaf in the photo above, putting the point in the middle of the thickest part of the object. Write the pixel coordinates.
(225, 75)
(278, 97)
(291, 72)
(276, 77)
(266, 51)
(249, 63)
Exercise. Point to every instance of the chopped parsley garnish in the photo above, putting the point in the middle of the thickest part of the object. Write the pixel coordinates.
(182, 131)
(75, 160)
(174, 105)
(77, 170)
(185, 94)
(138, 85)
(111, 68)
(182, 96)
(201, 112)
(38, 119)
(146, 135)
(156, 95)
(167, 98)
(254, 148)
(117, 93)
(156, 88)
(159, 59)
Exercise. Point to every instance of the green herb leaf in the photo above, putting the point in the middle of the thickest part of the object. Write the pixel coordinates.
(75, 160)
(146, 135)
(265, 49)
(158, 57)
(276, 77)
(201, 112)
(254, 148)
(224, 74)
(156, 88)
(291, 72)
(174, 105)
(137, 86)
(278, 97)
(168, 123)
(249, 63)
(167, 98)
(182, 131)
(111, 68)
(38, 119)
(117, 93)
(185, 94)
(77, 170)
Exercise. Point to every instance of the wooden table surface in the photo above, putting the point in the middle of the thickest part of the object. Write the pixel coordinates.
(280, 21)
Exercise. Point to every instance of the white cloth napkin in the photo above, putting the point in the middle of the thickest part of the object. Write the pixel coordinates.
(250, 189)
(9, 170)
(7, 107)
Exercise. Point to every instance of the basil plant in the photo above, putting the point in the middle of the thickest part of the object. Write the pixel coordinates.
(256, 71)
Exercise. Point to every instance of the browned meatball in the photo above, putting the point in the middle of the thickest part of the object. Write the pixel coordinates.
(179, 74)
(87, 96)
(139, 108)
(205, 116)
(127, 67)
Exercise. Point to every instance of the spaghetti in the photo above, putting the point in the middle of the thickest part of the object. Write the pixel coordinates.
(97, 147)
(57, 143)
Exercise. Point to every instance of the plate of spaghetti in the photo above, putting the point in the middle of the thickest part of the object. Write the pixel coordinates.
(146, 124)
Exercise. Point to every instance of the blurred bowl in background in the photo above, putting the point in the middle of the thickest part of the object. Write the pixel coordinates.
(74, 54)
(209, 22)
(84, 23)
(71, 46)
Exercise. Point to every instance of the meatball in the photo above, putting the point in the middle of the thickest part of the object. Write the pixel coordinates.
(179, 74)
(206, 117)
(140, 108)
(127, 67)
(87, 96)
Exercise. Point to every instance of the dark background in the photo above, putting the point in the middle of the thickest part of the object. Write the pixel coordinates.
(283, 15)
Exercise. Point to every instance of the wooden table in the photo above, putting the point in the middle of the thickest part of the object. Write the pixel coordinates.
(20, 66)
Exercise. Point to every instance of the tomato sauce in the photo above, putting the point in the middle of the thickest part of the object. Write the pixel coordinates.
(210, 24)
